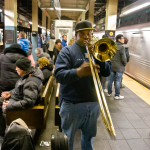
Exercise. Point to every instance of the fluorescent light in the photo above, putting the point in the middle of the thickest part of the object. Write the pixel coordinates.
(30, 22)
(132, 30)
(136, 8)
(72, 9)
(94, 25)
(1, 10)
(146, 29)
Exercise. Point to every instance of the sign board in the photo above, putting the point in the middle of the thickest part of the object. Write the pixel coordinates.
(9, 36)
(111, 34)
(34, 33)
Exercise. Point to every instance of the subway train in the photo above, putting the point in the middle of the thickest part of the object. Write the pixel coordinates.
(139, 48)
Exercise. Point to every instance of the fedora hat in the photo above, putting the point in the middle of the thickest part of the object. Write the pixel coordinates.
(83, 25)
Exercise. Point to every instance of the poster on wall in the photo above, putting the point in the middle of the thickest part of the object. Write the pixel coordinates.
(63, 32)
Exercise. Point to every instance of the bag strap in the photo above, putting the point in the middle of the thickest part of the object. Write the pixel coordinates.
(20, 122)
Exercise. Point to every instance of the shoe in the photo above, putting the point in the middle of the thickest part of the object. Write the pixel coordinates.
(108, 95)
(119, 97)
(105, 90)
(122, 86)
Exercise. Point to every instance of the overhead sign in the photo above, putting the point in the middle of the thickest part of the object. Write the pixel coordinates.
(57, 7)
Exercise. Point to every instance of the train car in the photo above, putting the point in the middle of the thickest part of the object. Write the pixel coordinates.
(139, 48)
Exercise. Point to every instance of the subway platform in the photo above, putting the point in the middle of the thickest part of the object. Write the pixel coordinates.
(130, 116)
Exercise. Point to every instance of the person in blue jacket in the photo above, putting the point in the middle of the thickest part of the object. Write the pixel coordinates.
(64, 41)
(39, 41)
(23, 41)
(79, 106)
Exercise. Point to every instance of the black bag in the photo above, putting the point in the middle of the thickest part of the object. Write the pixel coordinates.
(17, 137)
(59, 141)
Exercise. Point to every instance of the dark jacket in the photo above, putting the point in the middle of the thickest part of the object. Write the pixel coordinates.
(56, 51)
(63, 43)
(44, 45)
(127, 53)
(119, 61)
(24, 44)
(47, 72)
(73, 88)
(39, 41)
(27, 90)
(8, 74)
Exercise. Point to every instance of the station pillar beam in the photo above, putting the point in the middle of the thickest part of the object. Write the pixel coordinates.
(48, 28)
(10, 22)
(91, 11)
(111, 18)
(44, 22)
(83, 16)
(34, 27)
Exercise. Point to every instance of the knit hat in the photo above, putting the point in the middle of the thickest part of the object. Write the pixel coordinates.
(23, 63)
(43, 62)
(15, 46)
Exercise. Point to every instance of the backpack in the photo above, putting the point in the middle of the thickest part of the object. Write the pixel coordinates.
(18, 137)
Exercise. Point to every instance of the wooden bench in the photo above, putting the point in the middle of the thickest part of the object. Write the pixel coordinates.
(57, 117)
(35, 117)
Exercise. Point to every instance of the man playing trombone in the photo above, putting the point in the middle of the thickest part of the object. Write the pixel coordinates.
(79, 107)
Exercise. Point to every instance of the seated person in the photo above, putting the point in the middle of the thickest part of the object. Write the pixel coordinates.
(39, 53)
(46, 68)
(27, 89)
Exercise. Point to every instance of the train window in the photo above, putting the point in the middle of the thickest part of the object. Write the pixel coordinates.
(135, 45)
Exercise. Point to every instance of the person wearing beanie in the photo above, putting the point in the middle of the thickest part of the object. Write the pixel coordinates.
(79, 107)
(46, 68)
(8, 74)
(27, 89)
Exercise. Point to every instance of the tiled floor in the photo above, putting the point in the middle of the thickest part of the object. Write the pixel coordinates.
(131, 119)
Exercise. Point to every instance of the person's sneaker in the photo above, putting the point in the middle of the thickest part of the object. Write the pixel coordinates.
(119, 97)
(105, 90)
(108, 94)
(122, 86)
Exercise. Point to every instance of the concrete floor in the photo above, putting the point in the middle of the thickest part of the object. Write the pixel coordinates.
(131, 119)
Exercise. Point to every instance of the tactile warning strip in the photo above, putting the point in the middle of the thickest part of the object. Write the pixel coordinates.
(137, 88)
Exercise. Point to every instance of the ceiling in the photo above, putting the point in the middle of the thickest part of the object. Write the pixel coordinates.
(24, 7)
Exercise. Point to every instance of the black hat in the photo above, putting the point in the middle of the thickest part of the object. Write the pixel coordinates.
(15, 46)
(83, 25)
(23, 63)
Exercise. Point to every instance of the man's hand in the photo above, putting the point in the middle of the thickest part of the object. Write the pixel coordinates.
(85, 69)
(90, 46)
(5, 95)
(5, 103)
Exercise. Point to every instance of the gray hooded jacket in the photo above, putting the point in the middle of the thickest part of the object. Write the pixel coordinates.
(119, 61)
(27, 90)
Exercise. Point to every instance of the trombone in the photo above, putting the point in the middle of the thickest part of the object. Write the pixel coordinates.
(104, 50)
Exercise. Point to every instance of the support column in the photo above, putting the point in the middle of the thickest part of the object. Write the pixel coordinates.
(44, 22)
(34, 27)
(10, 22)
(48, 28)
(91, 11)
(83, 16)
(111, 18)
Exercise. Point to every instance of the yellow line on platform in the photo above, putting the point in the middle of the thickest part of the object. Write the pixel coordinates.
(137, 88)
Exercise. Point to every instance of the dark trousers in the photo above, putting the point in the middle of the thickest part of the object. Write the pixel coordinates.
(51, 54)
